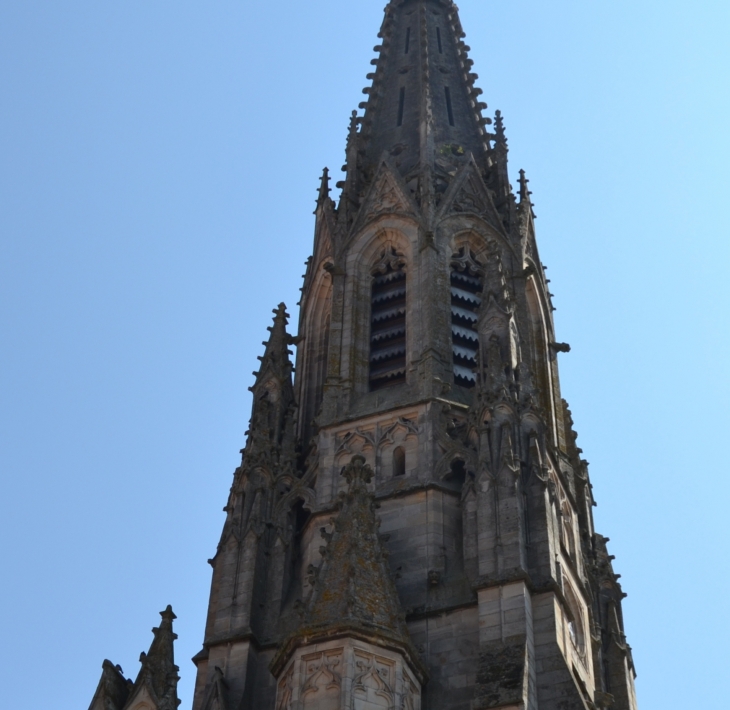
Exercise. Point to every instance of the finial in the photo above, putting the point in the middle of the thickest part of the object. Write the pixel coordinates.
(281, 317)
(168, 614)
(354, 122)
(524, 192)
(357, 473)
(499, 127)
(324, 186)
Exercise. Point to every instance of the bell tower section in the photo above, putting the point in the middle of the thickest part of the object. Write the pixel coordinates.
(411, 524)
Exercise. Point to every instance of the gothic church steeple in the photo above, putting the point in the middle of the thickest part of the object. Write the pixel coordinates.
(427, 389)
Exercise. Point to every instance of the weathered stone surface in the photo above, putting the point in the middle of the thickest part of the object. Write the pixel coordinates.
(156, 685)
(426, 358)
(113, 689)
(502, 674)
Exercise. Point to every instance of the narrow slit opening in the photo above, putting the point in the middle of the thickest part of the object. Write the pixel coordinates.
(399, 462)
(401, 105)
(449, 108)
(408, 40)
(438, 39)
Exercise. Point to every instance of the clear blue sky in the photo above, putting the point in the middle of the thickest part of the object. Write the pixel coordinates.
(158, 168)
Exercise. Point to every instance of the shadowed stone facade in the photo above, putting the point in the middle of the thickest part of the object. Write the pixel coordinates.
(411, 524)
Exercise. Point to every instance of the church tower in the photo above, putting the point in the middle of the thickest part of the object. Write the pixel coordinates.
(411, 524)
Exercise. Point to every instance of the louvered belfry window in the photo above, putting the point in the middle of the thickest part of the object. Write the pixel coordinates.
(388, 322)
(466, 298)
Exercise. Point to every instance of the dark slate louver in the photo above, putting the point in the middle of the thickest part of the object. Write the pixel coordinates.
(466, 289)
(388, 328)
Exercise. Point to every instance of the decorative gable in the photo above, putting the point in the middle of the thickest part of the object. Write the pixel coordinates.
(469, 195)
(387, 195)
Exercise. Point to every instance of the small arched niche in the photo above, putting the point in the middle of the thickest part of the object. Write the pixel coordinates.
(399, 461)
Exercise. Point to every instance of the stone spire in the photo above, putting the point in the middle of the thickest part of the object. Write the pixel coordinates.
(275, 360)
(353, 591)
(354, 586)
(158, 677)
(499, 176)
(422, 111)
(525, 192)
(271, 432)
(324, 188)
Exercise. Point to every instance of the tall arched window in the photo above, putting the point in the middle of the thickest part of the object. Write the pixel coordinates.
(466, 297)
(388, 321)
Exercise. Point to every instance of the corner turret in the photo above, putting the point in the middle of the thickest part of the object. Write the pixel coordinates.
(353, 644)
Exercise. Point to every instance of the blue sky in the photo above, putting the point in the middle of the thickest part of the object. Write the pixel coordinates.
(158, 168)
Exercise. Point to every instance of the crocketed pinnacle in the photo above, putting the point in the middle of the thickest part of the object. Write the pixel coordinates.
(275, 360)
(271, 429)
(324, 187)
(499, 133)
(159, 674)
(354, 586)
(524, 190)
(353, 593)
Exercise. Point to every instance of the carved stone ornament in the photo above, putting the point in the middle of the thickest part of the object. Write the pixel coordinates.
(402, 426)
(321, 674)
(409, 700)
(388, 198)
(372, 687)
(390, 259)
(466, 262)
(357, 473)
(347, 674)
(285, 691)
(470, 197)
(355, 442)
